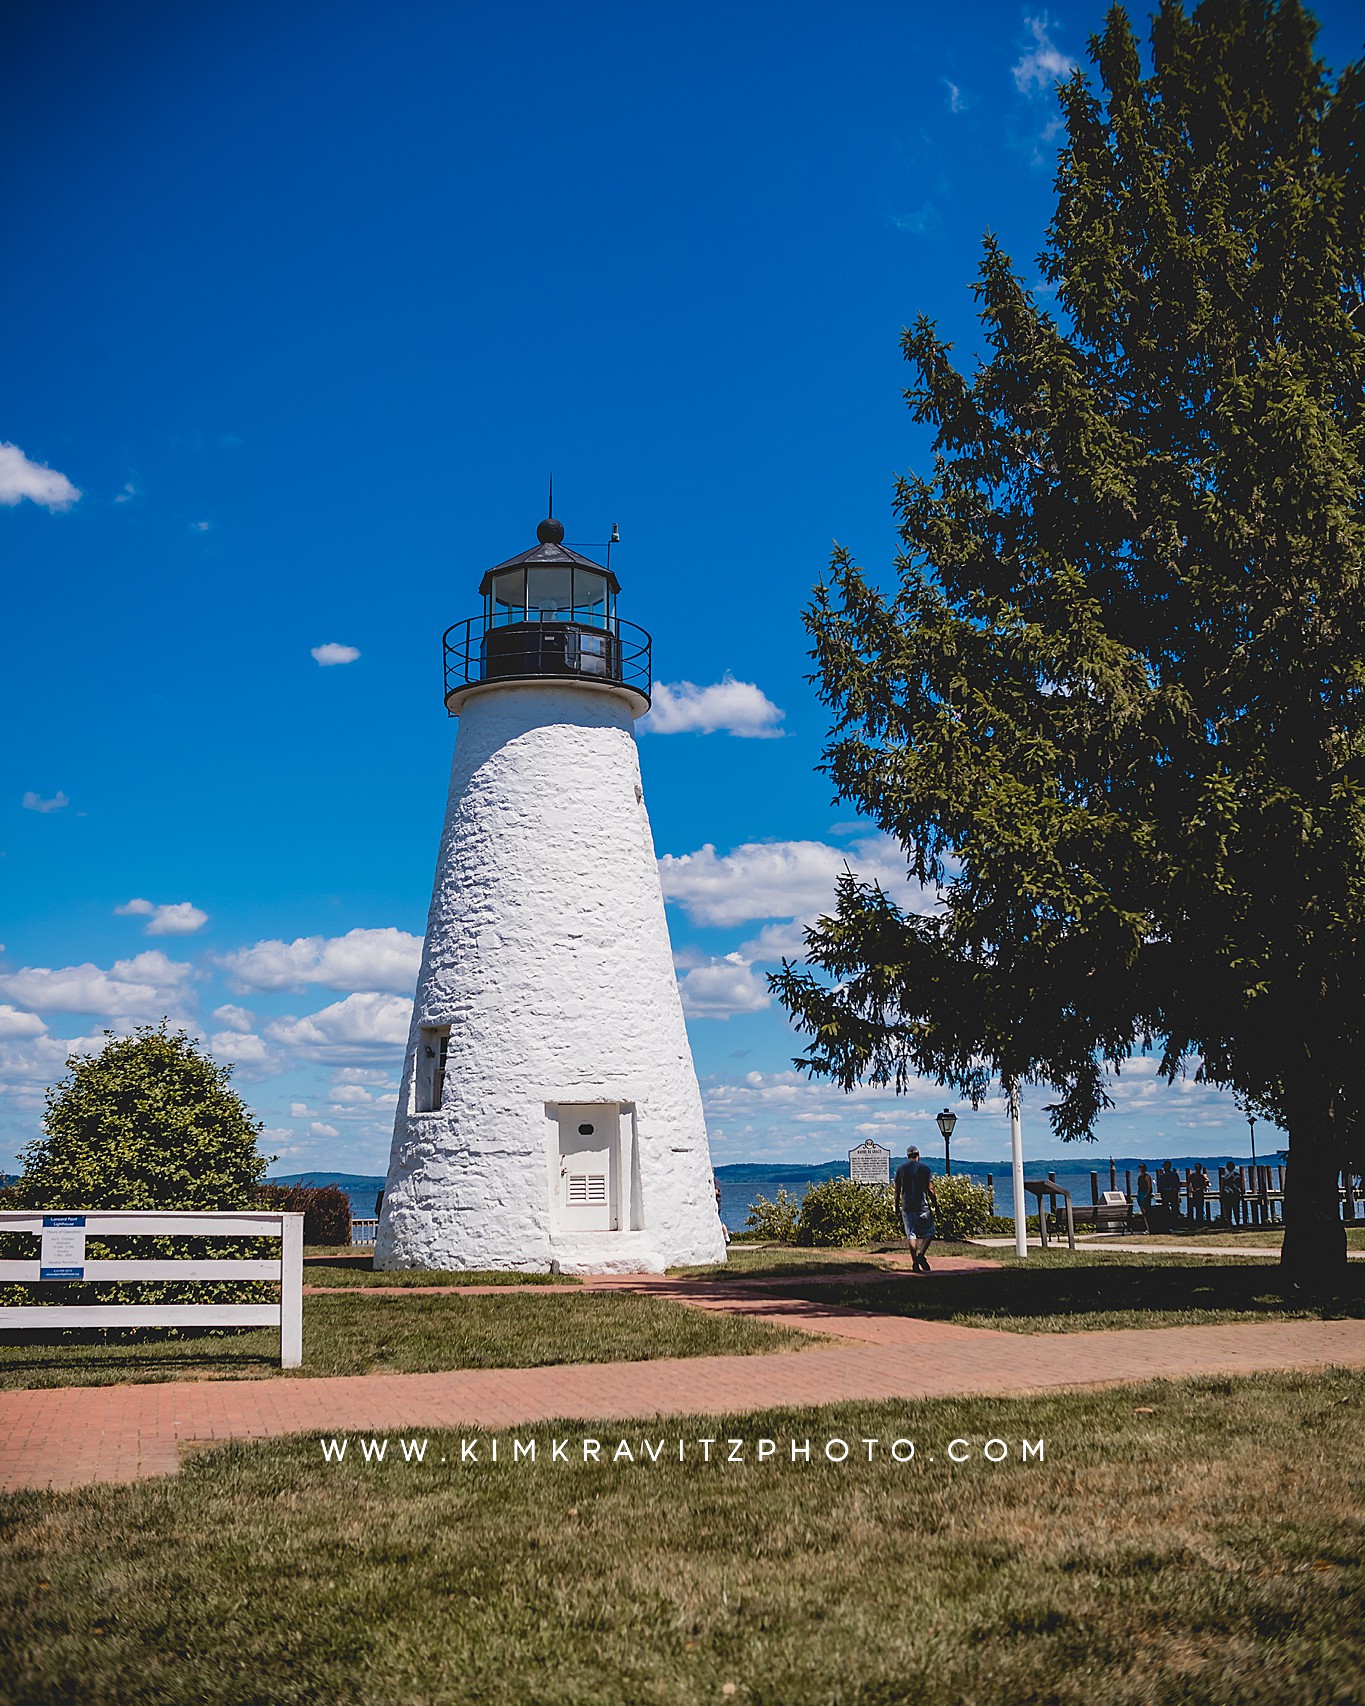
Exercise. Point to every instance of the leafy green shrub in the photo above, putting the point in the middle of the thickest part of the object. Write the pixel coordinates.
(326, 1210)
(963, 1208)
(839, 1213)
(775, 1220)
(147, 1123)
(1002, 1225)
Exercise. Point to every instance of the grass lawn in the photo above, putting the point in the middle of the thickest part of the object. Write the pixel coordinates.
(751, 1261)
(1054, 1291)
(1263, 1237)
(352, 1268)
(355, 1268)
(1199, 1542)
(409, 1335)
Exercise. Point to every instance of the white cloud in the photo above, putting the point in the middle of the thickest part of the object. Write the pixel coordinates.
(332, 653)
(13, 1023)
(29, 1064)
(175, 918)
(920, 220)
(722, 988)
(350, 1095)
(362, 1027)
(36, 803)
(361, 960)
(780, 879)
(1045, 64)
(301, 1111)
(956, 102)
(200, 526)
(139, 988)
(234, 1018)
(320, 1128)
(20, 478)
(733, 707)
(251, 1054)
(776, 942)
(128, 493)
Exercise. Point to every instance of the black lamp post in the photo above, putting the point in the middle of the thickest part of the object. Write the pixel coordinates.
(946, 1122)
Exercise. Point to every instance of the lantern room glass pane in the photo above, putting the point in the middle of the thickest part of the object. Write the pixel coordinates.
(549, 595)
(509, 597)
(590, 598)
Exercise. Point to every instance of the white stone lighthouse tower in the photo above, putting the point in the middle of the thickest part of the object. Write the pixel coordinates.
(549, 1116)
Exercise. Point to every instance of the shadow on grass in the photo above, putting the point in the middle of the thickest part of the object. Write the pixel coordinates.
(784, 1261)
(1056, 1292)
(87, 1357)
(359, 1271)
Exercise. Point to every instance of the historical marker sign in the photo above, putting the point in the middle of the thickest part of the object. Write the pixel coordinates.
(870, 1164)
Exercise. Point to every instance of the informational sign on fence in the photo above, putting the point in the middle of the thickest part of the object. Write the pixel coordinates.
(61, 1240)
(62, 1256)
(870, 1164)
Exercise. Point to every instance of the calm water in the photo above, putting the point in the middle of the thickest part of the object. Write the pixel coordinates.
(741, 1184)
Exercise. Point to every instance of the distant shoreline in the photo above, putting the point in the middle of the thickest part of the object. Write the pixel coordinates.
(741, 1170)
(743, 1182)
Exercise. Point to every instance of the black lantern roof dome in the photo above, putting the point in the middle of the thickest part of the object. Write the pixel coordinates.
(549, 553)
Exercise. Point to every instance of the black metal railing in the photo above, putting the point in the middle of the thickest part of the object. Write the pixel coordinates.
(612, 652)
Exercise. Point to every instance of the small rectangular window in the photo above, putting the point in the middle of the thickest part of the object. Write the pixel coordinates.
(429, 1077)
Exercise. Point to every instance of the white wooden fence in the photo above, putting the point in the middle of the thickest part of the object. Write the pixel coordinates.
(63, 1236)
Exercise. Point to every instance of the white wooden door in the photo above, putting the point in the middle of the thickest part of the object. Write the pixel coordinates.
(586, 1194)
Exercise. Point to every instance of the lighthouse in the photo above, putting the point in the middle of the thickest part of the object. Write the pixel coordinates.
(549, 1117)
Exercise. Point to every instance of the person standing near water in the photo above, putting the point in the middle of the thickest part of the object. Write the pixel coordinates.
(915, 1202)
(1144, 1196)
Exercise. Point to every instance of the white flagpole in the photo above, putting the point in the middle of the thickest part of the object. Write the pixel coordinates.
(1017, 1160)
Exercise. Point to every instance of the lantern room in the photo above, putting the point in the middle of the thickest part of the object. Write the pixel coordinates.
(549, 612)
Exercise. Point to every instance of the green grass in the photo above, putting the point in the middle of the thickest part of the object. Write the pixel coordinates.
(1253, 1236)
(750, 1261)
(333, 1268)
(410, 1335)
(1199, 1542)
(1054, 1291)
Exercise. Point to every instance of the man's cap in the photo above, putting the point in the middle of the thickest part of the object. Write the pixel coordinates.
(912, 1150)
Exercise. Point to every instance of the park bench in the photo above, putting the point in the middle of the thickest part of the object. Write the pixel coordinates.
(1104, 1216)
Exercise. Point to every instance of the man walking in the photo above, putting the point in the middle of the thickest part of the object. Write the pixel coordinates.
(915, 1201)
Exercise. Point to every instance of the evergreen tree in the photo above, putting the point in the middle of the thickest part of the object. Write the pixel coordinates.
(1116, 702)
(149, 1122)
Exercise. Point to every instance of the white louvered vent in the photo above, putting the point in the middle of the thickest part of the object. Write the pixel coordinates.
(587, 1187)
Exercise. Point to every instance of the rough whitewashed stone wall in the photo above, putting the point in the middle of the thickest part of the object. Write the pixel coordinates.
(547, 953)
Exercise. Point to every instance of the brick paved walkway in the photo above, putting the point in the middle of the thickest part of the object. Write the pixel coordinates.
(69, 1436)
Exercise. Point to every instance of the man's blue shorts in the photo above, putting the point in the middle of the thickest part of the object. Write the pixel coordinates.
(919, 1225)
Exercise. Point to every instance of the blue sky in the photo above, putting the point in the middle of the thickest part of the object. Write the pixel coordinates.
(305, 303)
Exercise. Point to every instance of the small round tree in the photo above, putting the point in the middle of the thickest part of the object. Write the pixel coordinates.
(148, 1122)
